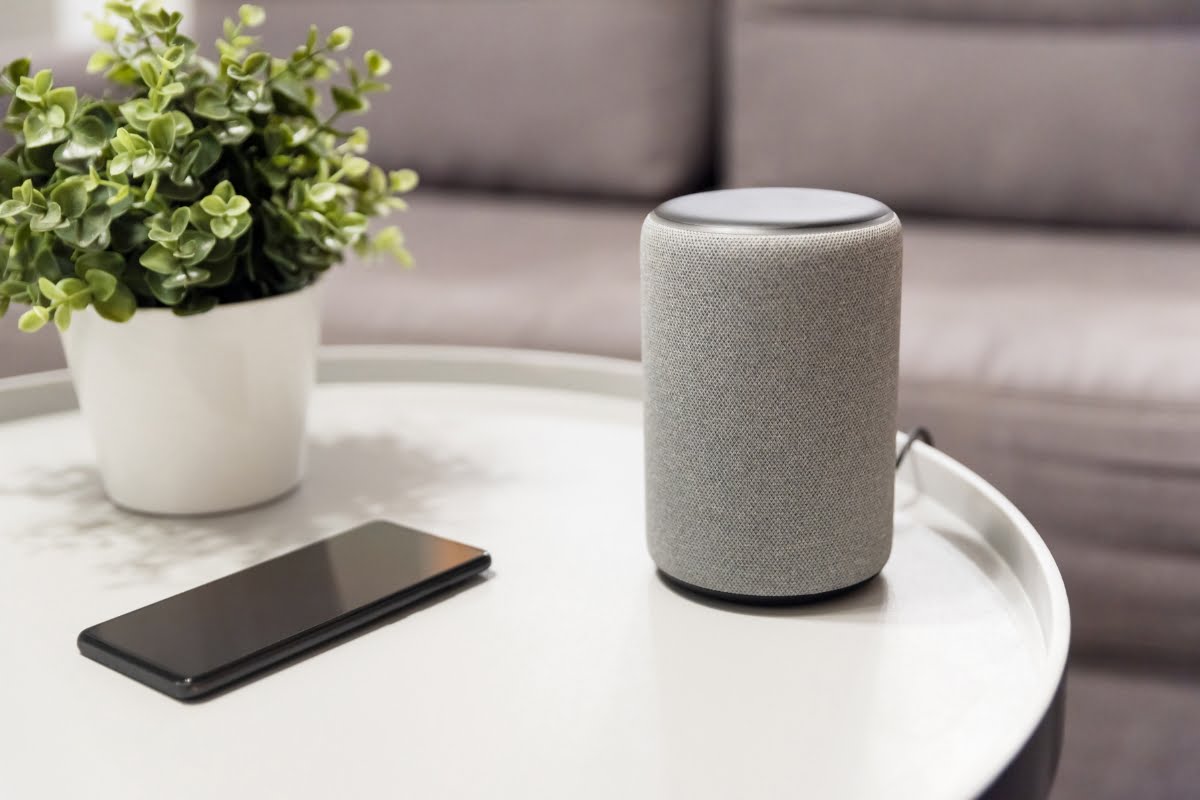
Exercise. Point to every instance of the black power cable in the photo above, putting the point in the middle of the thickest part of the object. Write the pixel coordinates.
(919, 433)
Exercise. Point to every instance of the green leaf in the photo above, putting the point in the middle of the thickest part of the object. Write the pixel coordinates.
(221, 273)
(102, 283)
(340, 38)
(167, 295)
(39, 129)
(100, 61)
(25, 192)
(43, 81)
(148, 72)
(14, 71)
(403, 180)
(222, 227)
(94, 224)
(235, 131)
(139, 113)
(322, 192)
(213, 205)
(62, 317)
(106, 261)
(195, 304)
(118, 308)
(355, 166)
(183, 124)
(4, 301)
(71, 285)
(11, 208)
(173, 56)
(372, 87)
(237, 206)
(159, 258)
(89, 132)
(185, 278)
(194, 247)
(161, 133)
(240, 226)
(48, 221)
(179, 221)
(121, 194)
(26, 93)
(346, 100)
(71, 196)
(144, 164)
(120, 164)
(104, 31)
(10, 175)
(63, 99)
(211, 104)
(123, 74)
(252, 16)
(50, 290)
(377, 65)
(207, 153)
(224, 190)
(33, 319)
(255, 62)
(44, 262)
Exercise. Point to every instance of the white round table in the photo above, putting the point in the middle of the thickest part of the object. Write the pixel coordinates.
(572, 669)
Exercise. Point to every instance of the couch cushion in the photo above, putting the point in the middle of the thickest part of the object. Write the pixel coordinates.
(582, 97)
(501, 270)
(1056, 123)
(1062, 367)
(1129, 736)
(1089, 12)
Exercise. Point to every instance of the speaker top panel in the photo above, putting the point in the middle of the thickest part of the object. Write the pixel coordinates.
(772, 208)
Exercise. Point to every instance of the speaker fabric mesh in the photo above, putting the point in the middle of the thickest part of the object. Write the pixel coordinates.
(770, 363)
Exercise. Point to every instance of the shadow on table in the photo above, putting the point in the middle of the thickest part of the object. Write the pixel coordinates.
(348, 636)
(352, 478)
(867, 599)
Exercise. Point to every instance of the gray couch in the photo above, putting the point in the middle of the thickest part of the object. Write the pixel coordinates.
(1044, 155)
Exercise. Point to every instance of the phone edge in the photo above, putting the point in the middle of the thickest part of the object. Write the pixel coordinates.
(187, 688)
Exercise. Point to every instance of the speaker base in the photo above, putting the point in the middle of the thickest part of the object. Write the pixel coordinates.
(760, 600)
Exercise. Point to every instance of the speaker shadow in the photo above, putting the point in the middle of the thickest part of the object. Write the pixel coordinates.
(867, 599)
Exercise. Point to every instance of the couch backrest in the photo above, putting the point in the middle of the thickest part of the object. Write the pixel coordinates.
(604, 97)
(1080, 111)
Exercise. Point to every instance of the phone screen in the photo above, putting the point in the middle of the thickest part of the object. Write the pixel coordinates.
(207, 628)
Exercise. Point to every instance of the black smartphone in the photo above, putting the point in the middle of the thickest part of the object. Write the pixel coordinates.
(210, 637)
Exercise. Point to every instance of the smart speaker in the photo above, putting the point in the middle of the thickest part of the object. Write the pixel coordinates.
(770, 333)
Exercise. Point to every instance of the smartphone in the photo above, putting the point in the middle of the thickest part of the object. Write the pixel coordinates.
(208, 638)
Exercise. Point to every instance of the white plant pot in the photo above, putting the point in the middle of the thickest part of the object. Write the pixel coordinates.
(199, 414)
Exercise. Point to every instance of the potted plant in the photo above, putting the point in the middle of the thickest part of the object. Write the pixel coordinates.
(175, 233)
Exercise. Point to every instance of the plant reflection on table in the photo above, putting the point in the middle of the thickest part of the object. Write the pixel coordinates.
(351, 478)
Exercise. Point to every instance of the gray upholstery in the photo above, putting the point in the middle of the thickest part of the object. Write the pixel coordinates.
(607, 98)
(1062, 124)
(1129, 737)
(1061, 366)
(1087, 12)
(500, 270)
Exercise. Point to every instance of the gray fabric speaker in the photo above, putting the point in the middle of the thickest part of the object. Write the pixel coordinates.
(770, 335)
